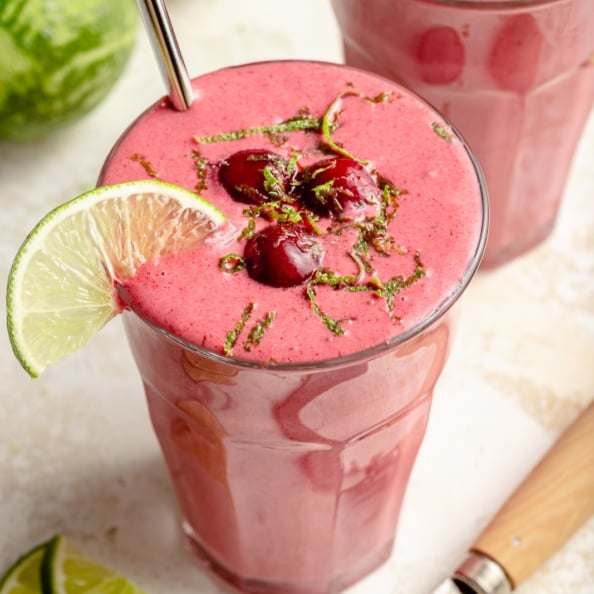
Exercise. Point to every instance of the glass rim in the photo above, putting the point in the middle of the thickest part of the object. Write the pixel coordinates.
(377, 349)
(494, 4)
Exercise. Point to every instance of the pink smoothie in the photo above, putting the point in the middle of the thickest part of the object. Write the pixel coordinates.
(517, 80)
(290, 460)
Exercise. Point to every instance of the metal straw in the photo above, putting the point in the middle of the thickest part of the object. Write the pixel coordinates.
(171, 63)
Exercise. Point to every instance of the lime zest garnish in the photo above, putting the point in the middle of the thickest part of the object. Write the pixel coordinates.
(233, 335)
(373, 235)
(60, 60)
(148, 167)
(258, 330)
(232, 263)
(330, 120)
(329, 124)
(325, 276)
(56, 567)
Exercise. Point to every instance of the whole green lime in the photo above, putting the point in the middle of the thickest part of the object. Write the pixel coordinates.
(59, 59)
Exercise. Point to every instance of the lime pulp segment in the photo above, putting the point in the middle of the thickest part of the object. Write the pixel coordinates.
(67, 571)
(56, 567)
(61, 284)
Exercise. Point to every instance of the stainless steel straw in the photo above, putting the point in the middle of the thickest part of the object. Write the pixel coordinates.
(171, 63)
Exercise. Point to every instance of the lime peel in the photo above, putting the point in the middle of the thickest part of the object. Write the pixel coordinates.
(61, 284)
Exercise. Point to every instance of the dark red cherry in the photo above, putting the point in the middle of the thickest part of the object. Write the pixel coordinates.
(253, 176)
(283, 255)
(335, 186)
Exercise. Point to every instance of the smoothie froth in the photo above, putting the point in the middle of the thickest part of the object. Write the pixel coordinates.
(436, 221)
(516, 78)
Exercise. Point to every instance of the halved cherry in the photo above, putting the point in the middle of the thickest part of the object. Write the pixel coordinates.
(513, 60)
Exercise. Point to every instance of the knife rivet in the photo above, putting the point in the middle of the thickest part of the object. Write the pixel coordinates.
(516, 541)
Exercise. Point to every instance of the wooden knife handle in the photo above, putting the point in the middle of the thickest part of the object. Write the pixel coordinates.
(554, 500)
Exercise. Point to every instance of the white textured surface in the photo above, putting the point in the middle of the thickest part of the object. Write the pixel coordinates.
(77, 454)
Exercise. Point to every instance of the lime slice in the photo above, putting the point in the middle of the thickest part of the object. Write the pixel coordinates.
(61, 287)
(24, 576)
(59, 59)
(67, 571)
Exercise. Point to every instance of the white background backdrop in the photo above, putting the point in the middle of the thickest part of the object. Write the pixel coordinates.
(77, 454)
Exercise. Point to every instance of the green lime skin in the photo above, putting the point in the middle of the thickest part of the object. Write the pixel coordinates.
(59, 59)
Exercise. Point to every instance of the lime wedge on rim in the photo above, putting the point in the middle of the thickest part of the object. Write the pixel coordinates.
(61, 286)
(65, 570)
(24, 576)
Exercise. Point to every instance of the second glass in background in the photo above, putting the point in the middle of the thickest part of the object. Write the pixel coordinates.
(516, 78)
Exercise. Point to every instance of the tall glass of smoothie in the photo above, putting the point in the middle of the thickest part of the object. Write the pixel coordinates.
(516, 77)
(289, 364)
